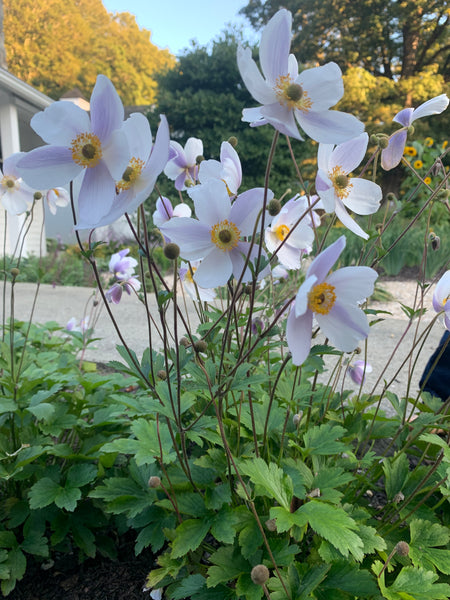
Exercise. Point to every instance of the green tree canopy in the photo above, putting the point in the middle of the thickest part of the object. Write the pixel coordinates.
(57, 45)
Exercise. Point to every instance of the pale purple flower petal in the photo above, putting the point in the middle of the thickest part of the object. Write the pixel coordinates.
(214, 270)
(282, 119)
(392, 155)
(193, 237)
(246, 209)
(252, 77)
(114, 294)
(298, 336)
(97, 195)
(329, 127)
(364, 197)
(274, 46)
(323, 85)
(344, 326)
(441, 296)
(353, 284)
(106, 108)
(358, 370)
(48, 166)
(434, 106)
(349, 155)
(347, 220)
(211, 201)
(323, 262)
(60, 123)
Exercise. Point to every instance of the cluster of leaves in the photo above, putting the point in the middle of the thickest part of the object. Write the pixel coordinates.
(58, 45)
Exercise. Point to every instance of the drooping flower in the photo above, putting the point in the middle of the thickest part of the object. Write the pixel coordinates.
(358, 371)
(81, 327)
(392, 155)
(15, 194)
(183, 166)
(121, 265)
(114, 294)
(95, 147)
(215, 237)
(287, 96)
(57, 198)
(333, 301)
(300, 238)
(196, 292)
(337, 190)
(139, 177)
(441, 297)
(165, 211)
(228, 169)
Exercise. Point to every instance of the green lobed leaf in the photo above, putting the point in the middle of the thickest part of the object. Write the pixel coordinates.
(425, 536)
(228, 564)
(189, 585)
(272, 480)
(396, 471)
(189, 535)
(412, 583)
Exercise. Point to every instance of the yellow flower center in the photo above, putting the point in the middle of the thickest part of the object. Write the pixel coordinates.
(9, 182)
(321, 298)
(131, 174)
(86, 150)
(189, 274)
(225, 235)
(281, 231)
(341, 182)
(292, 94)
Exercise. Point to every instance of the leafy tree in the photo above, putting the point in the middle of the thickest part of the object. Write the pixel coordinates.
(61, 44)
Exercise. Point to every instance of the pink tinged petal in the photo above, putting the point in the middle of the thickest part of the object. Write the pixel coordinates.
(392, 155)
(329, 127)
(163, 212)
(214, 270)
(247, 208)
(347, 220)
(364, 197)
(114, 294)
(252, 78)
(137, 131)
(60, 123)
(298, 335)
(404, 117)
(97, 196)
(48, 167)
(59, 196)
(106, 108)
(353, 285)
(160, 151)
(123, 203)
(212, 202)
(442, 292)
(301, 299)
(435, 106)
(323, 85)
(16, 202)
(322, 264)
(232, 166)
(182, 210)
(345, 326)
(348, 155)
(275, 45)
(179, 181)
(193, 237)
(282, 119)
(193, 149)
(172, 170)
(116, 154)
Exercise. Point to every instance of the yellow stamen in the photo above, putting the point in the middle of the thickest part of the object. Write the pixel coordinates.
(321, 298)
(86, 150)
(341, 182)
(281, 231)
(9, 182)
(189, 274)
(225, 235)
(131, 174)
(292, 94)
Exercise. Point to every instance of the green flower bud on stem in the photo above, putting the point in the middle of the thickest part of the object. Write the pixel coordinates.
(201, 346)
(14, 272)
(154, 482)
(171, 251)
(383, 142)
(274, 207)
(37, 196)
(260, 574)
(233, 141)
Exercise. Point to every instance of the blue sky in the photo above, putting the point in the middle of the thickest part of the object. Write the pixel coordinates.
(174, 23)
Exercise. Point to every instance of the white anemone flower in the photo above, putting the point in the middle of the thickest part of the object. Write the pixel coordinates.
(15, 194)
(333, 301)
(287, 95)
(216, 236)
(228, 169)
(392, 155)
(186, 273)
(56, 198)
(338, 190)
(441, 298)
(183, 166)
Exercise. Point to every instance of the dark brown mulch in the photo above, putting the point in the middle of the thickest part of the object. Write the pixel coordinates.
(94, 579)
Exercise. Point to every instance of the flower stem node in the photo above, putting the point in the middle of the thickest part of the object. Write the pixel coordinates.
(260, 574)
(410, 129)
(162, 374)
(14, 272)
(402, 548)
(201, 346)
(233, 141)
(171, 251)
(274, 207)
(154, 482)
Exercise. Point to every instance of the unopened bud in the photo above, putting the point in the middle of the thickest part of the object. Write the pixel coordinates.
(199, 159)
(274, 207)
(271, 524)
(201, 346)
(260, 574)
(391, 197)
(373, 139)
(233, 141)
(247, 290)
(37, 196)
(154, 482)
(161, 374)
(14, 271)
(171, 251)
(95, 303)
(185, 342)
(383, 142)
(435, 240)
(402, 549)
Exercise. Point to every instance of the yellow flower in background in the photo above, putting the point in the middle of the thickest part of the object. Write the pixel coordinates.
(410, 151)
(427, 180)
(444, 145)
(429, 141)
(418, 164)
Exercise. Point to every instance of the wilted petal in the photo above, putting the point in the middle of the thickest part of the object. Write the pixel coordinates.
(329, 127)
(392, 155)
(298, 335)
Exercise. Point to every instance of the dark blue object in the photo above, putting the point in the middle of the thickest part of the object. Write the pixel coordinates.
(438, 382)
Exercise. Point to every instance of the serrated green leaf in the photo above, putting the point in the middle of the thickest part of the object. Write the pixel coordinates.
(425, 536)
(67, 497)
(371, 540)
(81, 474)
(347, 577)
(223, 527)
(413, 583)
(322, 440)
(250, 539)
(150, 436)
(189, 535)
(190, 585)
(228, 564)
(43, 493)
(43, 411)
(272, 480)
(245, 588)
(396, 471)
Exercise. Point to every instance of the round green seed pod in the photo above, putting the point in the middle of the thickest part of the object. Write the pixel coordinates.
(260, 574)
(201, 346)
(274, 207)
(154, 482)
(161, 374)
(171, 251)
(402, 548)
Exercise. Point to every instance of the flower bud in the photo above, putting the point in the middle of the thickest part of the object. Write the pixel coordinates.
(161, 374)
(154, 482)
(201, 346)
(435, 241)
(260, 574)
(185, 342)
(171, 251)
(14, 272)
(199, 159)
(402, 549)
(274, 207)
(383, 142)
(233, 141)
(373, 139)
(247, 289)
(37, 196)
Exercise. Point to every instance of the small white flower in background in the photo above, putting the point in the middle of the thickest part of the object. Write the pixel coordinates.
(338, 191)
(441, 297)
(228, 170)
(15, 194)
(358, 370)
(122, 267)
(277, 274)
(57, 198)
(182, 166)
(392, 155)
(195, 291)
(165, 211)
(81, 327)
